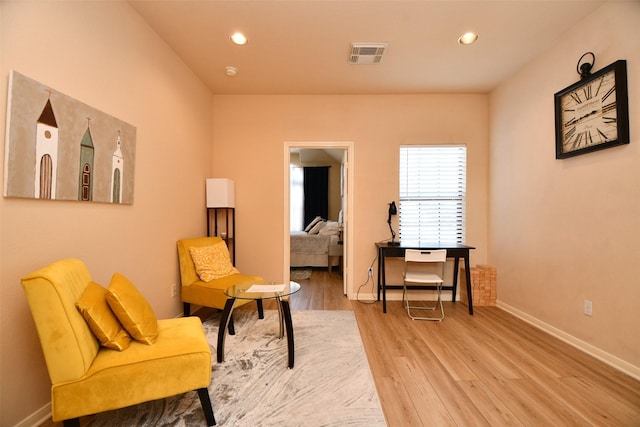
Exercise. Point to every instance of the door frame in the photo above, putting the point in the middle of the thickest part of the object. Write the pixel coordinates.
(347, 182)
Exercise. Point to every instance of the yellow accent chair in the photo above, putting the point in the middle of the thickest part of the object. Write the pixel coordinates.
(87, 378)
(209, 293)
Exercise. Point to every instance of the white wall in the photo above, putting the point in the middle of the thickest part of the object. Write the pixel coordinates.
(562, 231)
(103, 54)
(377, 125)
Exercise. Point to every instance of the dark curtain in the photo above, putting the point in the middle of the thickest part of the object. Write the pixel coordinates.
(316, 193)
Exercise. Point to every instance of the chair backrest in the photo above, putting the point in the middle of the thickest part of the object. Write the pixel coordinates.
(188, 273)
(68, 344)
(425, 255)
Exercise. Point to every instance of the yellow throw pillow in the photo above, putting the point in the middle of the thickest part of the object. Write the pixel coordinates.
(132, 309)
(101, 320)
(212, 262)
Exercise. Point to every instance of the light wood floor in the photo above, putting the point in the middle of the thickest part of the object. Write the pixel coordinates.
(489, 369)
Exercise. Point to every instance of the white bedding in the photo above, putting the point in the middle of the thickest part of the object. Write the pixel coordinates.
(312, 250)
(314, 244)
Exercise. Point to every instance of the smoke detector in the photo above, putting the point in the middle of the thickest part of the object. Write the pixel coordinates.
(366, 53)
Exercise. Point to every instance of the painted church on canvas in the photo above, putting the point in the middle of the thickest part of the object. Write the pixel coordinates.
(61, 149)
(46, 154)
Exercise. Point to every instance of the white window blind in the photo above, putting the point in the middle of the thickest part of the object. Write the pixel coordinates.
(433, 193)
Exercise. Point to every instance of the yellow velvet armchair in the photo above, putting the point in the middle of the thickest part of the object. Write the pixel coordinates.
(87, 378)
(210, 293)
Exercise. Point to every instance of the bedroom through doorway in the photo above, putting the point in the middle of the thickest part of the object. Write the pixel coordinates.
(318, 211)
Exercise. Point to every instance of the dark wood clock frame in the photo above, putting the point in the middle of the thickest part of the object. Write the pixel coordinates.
(581, 91)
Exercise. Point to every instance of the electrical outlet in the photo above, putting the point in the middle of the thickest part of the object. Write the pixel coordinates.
(588, 307)
(174, 290)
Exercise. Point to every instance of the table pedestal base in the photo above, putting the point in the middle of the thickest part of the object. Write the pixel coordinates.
(285, 324)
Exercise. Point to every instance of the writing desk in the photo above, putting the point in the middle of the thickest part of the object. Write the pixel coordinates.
(455, 251)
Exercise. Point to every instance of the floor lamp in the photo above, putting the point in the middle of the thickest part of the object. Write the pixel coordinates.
(221, 199)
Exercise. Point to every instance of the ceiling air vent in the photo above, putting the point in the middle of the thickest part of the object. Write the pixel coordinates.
(366, 53)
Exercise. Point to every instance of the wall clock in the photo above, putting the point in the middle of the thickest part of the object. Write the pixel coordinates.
(593, 114)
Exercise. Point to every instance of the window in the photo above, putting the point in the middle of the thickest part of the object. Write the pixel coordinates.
(432, 193)
(296, 199)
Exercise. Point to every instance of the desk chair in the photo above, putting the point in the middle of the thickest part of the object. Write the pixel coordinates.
(414, 262)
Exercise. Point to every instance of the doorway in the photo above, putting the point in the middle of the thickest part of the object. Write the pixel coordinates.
(343, 153)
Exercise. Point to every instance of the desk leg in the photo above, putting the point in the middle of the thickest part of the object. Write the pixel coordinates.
(222, 329)
(384, 279)
(456, 266)
(379, 269)
(467, 270)
(286, 311)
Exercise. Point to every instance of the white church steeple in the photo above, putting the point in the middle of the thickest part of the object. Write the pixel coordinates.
(117, 173)
(46, 166)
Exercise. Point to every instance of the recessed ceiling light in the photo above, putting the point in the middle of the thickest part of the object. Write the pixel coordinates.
(230, 71)
(238, 38)
(468, 38)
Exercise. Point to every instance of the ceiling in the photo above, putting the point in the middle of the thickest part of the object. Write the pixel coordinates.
(302, 46)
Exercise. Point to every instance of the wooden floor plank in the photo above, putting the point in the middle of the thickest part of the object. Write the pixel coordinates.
(461, 408)
(598, 405)
(492, 409)
(396, 402)
(425, 399)
(478, 343)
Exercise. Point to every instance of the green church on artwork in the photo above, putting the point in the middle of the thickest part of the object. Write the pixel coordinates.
(85, 178)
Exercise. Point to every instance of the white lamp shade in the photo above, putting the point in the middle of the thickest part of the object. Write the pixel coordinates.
(220, 193)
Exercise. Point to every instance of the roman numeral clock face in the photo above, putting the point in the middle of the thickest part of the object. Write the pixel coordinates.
(589, 115)
(593, 113)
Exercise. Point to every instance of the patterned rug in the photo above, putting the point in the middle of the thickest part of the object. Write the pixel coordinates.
(329, 385)
(300, 274)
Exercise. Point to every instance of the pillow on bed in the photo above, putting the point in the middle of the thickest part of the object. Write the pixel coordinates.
(330, 229)
(312, 223)
(316, 228)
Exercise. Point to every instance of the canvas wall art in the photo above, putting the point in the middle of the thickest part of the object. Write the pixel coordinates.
(58, 148)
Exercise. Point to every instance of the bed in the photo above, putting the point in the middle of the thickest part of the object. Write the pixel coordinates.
(313, 248)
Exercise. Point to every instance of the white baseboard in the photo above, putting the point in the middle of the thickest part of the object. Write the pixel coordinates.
(609, 359)
(39, 417)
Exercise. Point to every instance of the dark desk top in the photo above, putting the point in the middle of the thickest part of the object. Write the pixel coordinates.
(423, 245)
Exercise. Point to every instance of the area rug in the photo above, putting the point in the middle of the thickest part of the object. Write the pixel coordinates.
(300, 274)
(329, 385)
